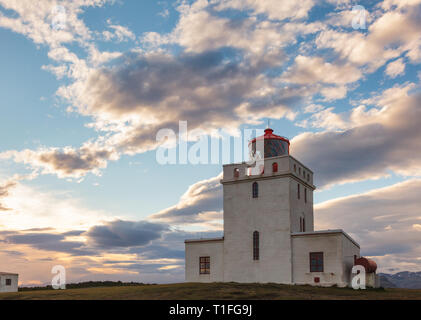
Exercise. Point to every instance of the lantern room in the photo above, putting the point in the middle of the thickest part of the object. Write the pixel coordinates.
(273, 145)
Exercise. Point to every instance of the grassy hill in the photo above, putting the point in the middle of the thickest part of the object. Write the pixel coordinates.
(221, 291)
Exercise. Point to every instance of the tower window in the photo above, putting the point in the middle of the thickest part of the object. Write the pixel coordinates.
(305, 195)
(316, 261)
(236, 173)
(298, 191)
(302, 224)
(256, 252)
(275, 167)
(204, 265)
(255, 190)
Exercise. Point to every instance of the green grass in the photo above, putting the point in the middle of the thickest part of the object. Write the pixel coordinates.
(214, 291)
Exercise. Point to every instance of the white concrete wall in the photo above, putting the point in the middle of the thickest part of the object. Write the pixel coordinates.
(274, 214)
(300, 208)
(338, 255)
(331, 246)
(13, 287)
(269, 215)
(300, 171)
(349, 249)
(212, 249)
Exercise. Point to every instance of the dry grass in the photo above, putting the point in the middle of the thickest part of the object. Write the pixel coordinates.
(215, 291)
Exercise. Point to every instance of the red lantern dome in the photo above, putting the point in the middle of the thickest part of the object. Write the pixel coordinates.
(369, 265)
(274, 145)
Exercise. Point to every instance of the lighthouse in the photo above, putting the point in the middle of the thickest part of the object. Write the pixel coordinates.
(268, 224)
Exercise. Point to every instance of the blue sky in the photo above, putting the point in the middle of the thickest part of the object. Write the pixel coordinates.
(84, 94)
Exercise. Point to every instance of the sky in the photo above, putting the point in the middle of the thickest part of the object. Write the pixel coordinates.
(94, 93)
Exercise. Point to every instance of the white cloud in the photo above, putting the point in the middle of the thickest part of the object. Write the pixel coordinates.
(364, 143)
(200, 205)
(383, 41)
(31, 208)
(334, 92)
(382, 221)
(395, 68)
(308, 70)
(67, 162)
(118, 33)
(287, 9)
(199, 30)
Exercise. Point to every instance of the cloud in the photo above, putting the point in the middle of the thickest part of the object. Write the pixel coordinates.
(202, 203)
(122, 250)
(370, 143)
(288, 9)
(67, 162)
(46, 241)
(35, 19)
(395, 68)
(124, 234)
(118, 33)
(34, 209)
(382, 42)
(381, 221)
(313, 69)
(148, 92)
(4, 192)
(330, 79)
(202, 26)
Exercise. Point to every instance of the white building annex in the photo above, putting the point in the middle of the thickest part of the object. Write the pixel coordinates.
(8, 282)
(269, 234)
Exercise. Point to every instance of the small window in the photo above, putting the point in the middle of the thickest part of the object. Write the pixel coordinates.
(299, 171)
(298, 191)
(308, 177)
(316, 261)
(275, 167)
(204, 265)
(236, 173)
(256, 252)
(304, 173)
(8, 282)
(255, 190)
(302, 224)
(295, 168)
(305, 195)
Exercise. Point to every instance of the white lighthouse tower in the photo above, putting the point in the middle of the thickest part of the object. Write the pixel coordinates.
(269, 227)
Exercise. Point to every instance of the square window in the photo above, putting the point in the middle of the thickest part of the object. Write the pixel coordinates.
(204, 265)
(8, 282)
(316, 261)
